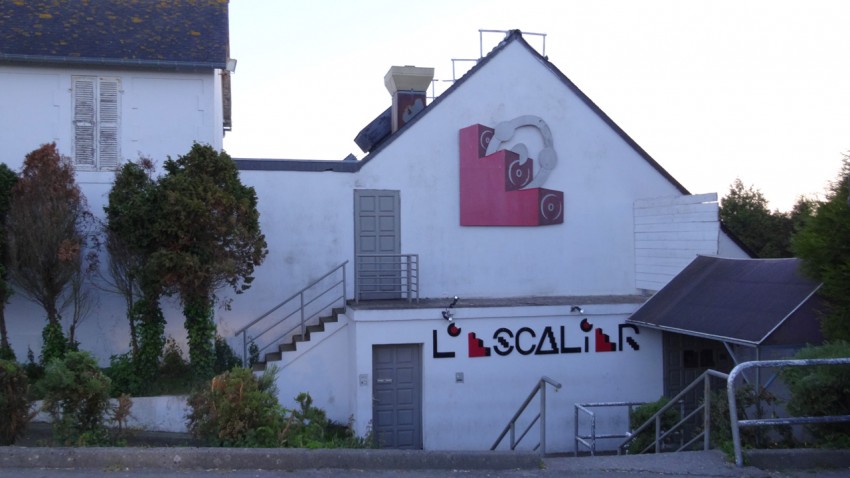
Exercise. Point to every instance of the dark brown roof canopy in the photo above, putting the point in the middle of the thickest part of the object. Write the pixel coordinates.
(745, 301)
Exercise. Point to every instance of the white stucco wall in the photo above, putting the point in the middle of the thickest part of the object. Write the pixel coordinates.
(162, 113)
(308, 216)
(470, 415)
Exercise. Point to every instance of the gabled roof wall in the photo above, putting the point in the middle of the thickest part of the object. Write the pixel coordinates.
(177, 34)
(512, 36)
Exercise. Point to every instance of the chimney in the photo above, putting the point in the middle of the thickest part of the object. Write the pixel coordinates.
(408, 86)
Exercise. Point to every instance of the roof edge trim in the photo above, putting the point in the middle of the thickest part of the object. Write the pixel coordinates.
(69, 60)
(792, 312)
(693, 334)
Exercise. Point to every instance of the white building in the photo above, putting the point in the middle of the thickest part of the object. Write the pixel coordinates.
(513, 192)
(108, 82)
(546, 271)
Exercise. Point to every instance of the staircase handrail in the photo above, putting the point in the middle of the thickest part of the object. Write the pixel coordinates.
(655, 419)
(733, 406)
(540, 387)
(299, 294)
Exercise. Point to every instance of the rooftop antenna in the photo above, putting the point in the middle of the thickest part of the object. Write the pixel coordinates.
(481, 32)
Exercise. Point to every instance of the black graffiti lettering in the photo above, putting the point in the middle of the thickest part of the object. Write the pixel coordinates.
(520, 332)
(567, 350)
(632, 342)
(542, 348)
(440, 354)
(503, 346)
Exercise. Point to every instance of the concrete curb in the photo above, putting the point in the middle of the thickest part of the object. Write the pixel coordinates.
(284, 459)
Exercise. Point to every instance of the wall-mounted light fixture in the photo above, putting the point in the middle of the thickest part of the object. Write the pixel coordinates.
(231, 65)
(576, 308)
(448, 314)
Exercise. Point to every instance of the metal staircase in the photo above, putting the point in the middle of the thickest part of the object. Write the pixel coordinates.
(294, 320)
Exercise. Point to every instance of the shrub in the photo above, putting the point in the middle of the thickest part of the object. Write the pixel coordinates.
(174, 365)
(34, 371)
(76, 395)
(309, 427)
(6, 353)
(640, 415)
(14, 402)
(122, 372)
(746, 401)
(55, 343)
(225, 357)
(238, 409)
(821, 391)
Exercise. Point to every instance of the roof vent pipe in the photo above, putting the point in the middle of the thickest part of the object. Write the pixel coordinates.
(408, 86)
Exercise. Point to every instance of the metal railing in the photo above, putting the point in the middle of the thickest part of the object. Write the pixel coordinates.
(320, 296)
(733, 409)
(661, 435)
(589, 441)
(386, 276)
(540, 388)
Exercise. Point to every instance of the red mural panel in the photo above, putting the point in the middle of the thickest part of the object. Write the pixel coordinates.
(491, 191)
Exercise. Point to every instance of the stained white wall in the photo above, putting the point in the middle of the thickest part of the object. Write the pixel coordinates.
(162, 113)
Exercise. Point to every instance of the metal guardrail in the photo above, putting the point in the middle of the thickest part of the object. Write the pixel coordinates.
(306, 297)
(386, 276)
(589, 441)
(733, 409)
(705, 407)
(540, 388)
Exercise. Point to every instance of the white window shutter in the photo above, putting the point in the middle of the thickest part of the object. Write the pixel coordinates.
(84, 121)
(108, 113)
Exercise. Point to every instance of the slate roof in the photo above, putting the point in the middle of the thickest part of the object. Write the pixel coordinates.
(151, 33)
(744, 301)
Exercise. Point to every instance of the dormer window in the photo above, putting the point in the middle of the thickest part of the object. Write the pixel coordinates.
(96, 122)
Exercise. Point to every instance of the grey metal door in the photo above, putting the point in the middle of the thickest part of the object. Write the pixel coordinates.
(397, 396)
(377, 242)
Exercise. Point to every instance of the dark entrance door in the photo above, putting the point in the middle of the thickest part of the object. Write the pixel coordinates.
(397, 395)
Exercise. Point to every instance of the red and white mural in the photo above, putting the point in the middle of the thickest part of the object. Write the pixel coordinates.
(502, 187)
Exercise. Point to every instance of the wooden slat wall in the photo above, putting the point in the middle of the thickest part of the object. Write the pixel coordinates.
(670, 232)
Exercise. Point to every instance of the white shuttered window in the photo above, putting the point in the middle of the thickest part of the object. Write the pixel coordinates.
(96, 122)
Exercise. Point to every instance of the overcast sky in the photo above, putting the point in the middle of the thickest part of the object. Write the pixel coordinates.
(711, 89)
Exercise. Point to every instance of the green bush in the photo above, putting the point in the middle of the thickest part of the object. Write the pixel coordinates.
(33, 369)
(309, 427)
(225, 357)
(822, 391)
(640, 415)
(123, 373)
(14, 402)
(55, 343)
(238, 409)
(76, 395)
(747, 401)
(6, 353)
